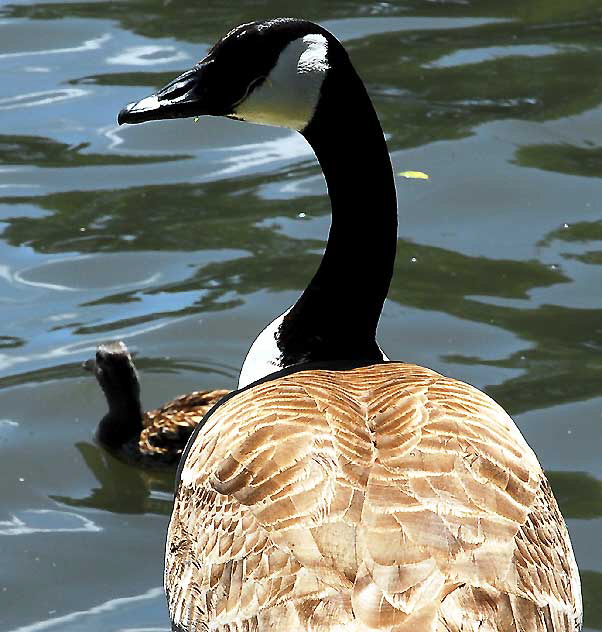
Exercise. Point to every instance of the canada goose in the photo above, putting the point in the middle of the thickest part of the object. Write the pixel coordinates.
(345, 492)
(155, 438)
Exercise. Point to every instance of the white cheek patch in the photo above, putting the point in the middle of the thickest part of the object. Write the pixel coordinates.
(289, 95)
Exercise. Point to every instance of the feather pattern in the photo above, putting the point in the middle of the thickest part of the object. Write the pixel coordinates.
(167, 429)
(385, 497)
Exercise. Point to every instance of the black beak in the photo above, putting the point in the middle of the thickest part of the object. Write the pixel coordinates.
(180, 98)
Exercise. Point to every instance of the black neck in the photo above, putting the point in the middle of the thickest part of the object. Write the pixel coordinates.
(123, 422)
(337, 315)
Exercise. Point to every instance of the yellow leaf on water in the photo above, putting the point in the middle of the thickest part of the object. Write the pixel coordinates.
(196, 119)
(417, 175)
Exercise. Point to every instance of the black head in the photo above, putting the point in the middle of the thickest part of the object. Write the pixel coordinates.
(116, 373)
(265, 72)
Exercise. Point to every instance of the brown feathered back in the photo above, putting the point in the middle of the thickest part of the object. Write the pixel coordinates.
(167, 429)
(385, 497)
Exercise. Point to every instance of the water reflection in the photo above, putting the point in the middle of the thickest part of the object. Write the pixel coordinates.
(146, 491)
(46, 152)
(579, 494)
(502, 92)
(559, 361)
(441, 100)
(562, 158)
(93, 43)
(36, 99)
(591, 583)
(11, 342)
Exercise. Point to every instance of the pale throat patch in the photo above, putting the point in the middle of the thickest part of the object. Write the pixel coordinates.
(265, 357)
(289, 95)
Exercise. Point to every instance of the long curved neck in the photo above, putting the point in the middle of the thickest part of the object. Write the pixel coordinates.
(337, 315)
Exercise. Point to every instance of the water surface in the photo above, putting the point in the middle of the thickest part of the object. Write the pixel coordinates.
(184, 240)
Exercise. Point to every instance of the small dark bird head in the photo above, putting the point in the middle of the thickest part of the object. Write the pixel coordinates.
(115, 372)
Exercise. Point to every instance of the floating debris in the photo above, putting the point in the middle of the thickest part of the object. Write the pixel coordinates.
(415, 175)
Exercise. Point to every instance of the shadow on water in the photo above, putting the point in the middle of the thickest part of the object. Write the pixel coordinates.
(123, 488)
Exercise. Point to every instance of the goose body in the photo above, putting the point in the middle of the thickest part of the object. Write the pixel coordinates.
(386, 497)
(155, 438)
(343, 492)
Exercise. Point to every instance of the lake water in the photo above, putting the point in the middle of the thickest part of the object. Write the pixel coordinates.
(184, 240)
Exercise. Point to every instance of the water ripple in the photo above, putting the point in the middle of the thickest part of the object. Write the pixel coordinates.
(66, 521)
(58, 623)
(7, 361)
(92, 44)
(148, 55)
(45, 97)
(490, 53)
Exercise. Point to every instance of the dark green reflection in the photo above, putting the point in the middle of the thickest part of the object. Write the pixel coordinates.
(156, 79)
(11, 342)
(197, 22)
(57, 372)
(578, 231)
(152, 365)
(579, 494)
(591, 585)
(216, 215)
(45, 152)
(444, 81)
(560, 361)
(562, 158)
(123, 488)
(565, 362)
(205, 22)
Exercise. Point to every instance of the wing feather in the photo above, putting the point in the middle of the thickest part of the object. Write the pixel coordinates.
(385, 497)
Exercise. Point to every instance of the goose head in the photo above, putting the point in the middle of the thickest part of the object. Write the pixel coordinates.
(118, 378)
(268, 72)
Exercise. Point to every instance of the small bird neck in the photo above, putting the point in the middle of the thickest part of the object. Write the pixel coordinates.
(337, 315)
(123, 422)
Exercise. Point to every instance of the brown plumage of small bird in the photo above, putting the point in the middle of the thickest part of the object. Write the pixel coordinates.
(155, 438)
